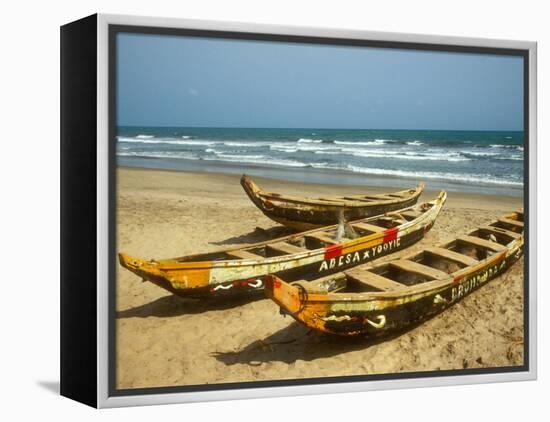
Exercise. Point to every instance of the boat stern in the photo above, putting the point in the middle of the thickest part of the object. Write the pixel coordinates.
(252, 190)
(144, 269)
(283, 294)
(248, 184)
(178, 278)
(441, 198)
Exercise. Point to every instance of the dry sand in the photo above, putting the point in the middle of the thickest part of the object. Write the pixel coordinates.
(163, 340)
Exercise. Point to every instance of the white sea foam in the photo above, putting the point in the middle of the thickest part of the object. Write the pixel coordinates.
(283, 148)
(518, 147)
(359, 143)
(309, 141)
(511, 157)
(329, 152)
(469, 178)
(159, 154)
(257, 160)
(247, 144)
(294, 147)
(355, 156)
(317, 147)
(452, 157)
(398, 154)
(239, 157)
(170, 141)
(480, 153)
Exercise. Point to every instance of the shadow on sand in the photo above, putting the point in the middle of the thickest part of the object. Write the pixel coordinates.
(172, 306)
(51, 386)
(296, 342)
(258, 235)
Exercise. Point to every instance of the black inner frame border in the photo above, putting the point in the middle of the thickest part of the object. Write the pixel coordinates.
(113, 30)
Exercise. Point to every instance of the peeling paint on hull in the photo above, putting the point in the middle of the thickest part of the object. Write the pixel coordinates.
(302, 213)
(189, 277)
(379, 312)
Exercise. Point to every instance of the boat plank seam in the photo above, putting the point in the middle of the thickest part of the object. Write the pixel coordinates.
(415, 267)
(376, 281)
(286, 248)
(453, 256)
(244, 255)
(486, 244)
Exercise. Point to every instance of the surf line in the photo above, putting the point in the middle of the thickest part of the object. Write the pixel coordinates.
(359, 256)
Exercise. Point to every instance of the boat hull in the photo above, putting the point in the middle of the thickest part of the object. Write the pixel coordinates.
(333, 260)
(217, 278)
(382, 313)
(314, 218)
(307, 214)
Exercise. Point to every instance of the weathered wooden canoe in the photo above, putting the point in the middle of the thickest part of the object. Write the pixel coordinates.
(299, 256)
(375, 298)
(302, 213)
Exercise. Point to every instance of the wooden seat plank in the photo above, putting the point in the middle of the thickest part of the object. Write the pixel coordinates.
(499, 230)
(375, 281)
(482, 243)
(332, 199)
(415, 267)
(388, 217)
(382, 196)
(369, 227)
(352, 198)
(241, 254)
(411, 214)
(511, 222)
(520, 214)
(378, 198)
(285, 248)
(397, 220)
(296, 200)
(323, 237)
(452, 256)
(332, 283)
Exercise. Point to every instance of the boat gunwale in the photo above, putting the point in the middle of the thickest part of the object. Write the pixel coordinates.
(262, 196)
(423, 289)
(173, 265)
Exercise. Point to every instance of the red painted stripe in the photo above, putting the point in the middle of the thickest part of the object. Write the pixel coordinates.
(390, 234)
(333, 251)
(458, 279)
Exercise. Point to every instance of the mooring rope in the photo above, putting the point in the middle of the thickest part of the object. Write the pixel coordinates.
(303, 296)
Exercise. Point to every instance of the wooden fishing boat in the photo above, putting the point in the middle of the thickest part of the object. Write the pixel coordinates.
(305, 255)
(376, 298)
(302, 213)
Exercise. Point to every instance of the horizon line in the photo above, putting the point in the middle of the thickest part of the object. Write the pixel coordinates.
(316, 128)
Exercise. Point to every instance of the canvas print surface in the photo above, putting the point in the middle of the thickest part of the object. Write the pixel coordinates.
(296, 210)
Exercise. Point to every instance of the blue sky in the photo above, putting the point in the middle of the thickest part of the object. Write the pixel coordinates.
(189, 81)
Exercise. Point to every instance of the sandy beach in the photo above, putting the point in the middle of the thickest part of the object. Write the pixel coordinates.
(164, 340)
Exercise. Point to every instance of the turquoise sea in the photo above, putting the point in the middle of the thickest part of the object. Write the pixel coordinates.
(471, 161)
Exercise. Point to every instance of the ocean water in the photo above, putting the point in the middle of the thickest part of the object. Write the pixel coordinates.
(471, 161)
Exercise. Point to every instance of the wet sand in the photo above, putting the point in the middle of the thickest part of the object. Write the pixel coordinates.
(164, 340)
